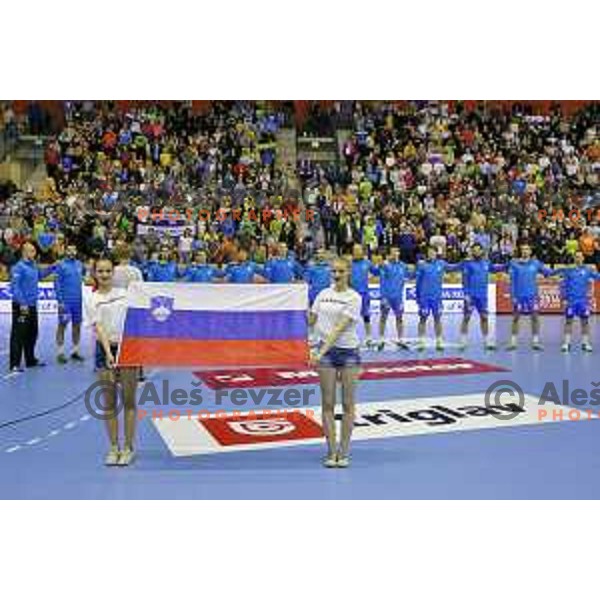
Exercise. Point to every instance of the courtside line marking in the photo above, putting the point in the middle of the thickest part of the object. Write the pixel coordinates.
(67, 426)
(10, 375)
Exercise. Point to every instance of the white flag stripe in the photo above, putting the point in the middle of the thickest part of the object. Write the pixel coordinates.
(222, 296)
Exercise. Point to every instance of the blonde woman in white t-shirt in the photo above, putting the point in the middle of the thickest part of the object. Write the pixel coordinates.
(106, 310)
(336, 314)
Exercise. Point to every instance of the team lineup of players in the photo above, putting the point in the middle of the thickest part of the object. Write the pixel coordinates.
(429, 275)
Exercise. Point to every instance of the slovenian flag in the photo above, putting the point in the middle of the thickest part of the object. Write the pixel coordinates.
(209, 325)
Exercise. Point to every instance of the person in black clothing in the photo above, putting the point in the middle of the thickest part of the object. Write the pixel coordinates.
(25, 276)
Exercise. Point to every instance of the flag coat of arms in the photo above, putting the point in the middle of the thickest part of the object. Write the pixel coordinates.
(209, 325)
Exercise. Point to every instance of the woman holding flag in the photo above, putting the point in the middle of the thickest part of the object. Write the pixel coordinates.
(336, 313)
(106, 309)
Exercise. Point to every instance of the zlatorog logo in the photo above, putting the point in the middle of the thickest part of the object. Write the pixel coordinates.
(262, 427)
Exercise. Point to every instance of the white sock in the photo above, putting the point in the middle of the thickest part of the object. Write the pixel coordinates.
(61, 349)
(567, 338)
(536, 339)
(513, 340)
(585, 339)
(439, 340)
(76, 349)
(463, 338)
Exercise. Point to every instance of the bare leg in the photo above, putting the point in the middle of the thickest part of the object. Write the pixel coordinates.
(485, 325)
(421, 332)
(464, 329)
(514, 330)
(439, 333)
(129, 377)
(535, 331)
(367, 329)
(60, 341)
(585, 335)
(76, 336)
(382, 321)
(349, 378)
(399, 326)
(327, 379)
(112, 423)
(568, 332)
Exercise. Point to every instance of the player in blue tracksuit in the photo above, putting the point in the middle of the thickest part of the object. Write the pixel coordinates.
(430, 280)
(243, 271)
(68, 288)
(317, 275)
(162, 269)
(475, 279)
(576, 294)
(200, 271)
(282, 268)
(524, 292)
(359, 281)
(392, 275)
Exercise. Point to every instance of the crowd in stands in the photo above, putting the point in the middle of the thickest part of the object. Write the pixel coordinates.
(409, 175)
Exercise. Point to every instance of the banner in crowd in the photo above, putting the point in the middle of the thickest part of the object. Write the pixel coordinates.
(46, 297)
(164, 230)
(549, 294)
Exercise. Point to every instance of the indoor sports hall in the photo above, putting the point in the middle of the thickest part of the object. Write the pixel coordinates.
(242, 254)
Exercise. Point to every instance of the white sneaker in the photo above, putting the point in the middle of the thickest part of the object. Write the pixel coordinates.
(439, 346)
(127, 457)
(565, 347)
(343, 461)
(490, 346)
(112, 457)
(587, 347)
(330, 461)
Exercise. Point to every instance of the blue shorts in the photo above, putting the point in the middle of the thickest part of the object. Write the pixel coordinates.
(478, 303)
(339, 358)
(365, 306)
(70, 311)
(526, 306)
(394, 304)
(100, 358)
(578, 309)
(430, 306)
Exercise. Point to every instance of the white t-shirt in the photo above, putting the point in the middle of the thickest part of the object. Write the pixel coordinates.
(108, 310)
(124, 275)
(330, 306)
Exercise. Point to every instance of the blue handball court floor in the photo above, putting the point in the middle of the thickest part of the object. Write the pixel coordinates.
(427, 434)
